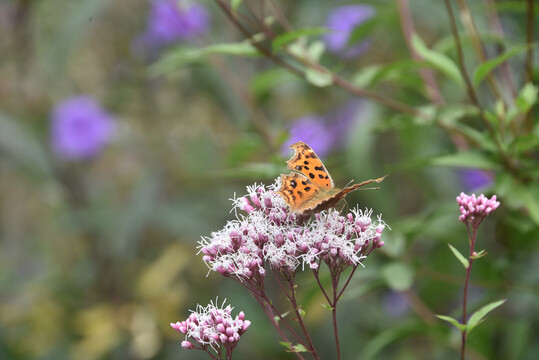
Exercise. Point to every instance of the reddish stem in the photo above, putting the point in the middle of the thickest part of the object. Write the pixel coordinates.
(466, 283)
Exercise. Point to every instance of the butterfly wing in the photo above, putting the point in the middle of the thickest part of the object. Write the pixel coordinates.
(309, 164)
(298, 191)
(353, 187)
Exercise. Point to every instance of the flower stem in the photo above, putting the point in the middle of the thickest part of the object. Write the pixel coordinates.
(465, 293)
(335, 283)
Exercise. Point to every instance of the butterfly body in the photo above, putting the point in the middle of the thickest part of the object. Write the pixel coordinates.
(310, 188)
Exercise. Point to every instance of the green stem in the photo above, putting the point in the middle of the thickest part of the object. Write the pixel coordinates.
(529, 57)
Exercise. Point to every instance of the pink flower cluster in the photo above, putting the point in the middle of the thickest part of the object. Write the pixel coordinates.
(474, 209)
(270, 234)
(212, 326)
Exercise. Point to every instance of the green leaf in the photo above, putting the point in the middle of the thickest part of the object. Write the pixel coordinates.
(291, 36)
(479, 255)
(524, 143)
(529, 197)
(472, 159)
(23, 147)
(452, 321)
(398, 276)
(459, 256)
(526, 97)
(398, 71)
(293, 348)
(487, 67)
(327, 307)
(183, 56)
(477, 317)
(319, 77)
(286, 344)
(315, 50)
(361, 31)
(438, 60)
(235, 4)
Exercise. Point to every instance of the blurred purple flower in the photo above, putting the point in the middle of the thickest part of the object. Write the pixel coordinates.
(473, 179)
(80, 128)
(342, 21)
(395, 304)
(342, 120)
(312, 130)
(323, 133)
(173, 20)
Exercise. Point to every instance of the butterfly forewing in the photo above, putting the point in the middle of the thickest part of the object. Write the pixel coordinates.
(309, 164)
(296, 189)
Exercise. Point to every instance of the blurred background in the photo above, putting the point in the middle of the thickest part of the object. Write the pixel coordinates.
(113, 164)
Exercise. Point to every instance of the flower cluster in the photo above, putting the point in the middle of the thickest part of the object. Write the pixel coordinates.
(270, 234)
(474, 209)
(212, 326)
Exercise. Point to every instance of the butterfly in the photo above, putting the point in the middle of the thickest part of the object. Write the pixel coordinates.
(310, 188)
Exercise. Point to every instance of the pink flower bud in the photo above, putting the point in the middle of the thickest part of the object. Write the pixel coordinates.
(187, 345)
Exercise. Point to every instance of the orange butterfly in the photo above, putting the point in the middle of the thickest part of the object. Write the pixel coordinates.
(310, 188)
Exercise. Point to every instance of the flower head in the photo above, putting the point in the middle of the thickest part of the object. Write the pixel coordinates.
(270, 234)
(212, 326)
(80, 128)
(474, 209)
(173, 20)
(342, 21)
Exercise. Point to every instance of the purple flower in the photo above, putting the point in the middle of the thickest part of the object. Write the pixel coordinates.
(173, 20)
(312, 130)
(473, 209)
(474, 179)
(80, 128)
(395, 304)
(342, 21)
(323, 133)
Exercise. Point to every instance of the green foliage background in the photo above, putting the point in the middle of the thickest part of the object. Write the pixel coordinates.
(98, 257)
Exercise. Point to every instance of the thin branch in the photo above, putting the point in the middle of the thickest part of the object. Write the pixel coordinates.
(408, 29)
(337, 80)
(464, 73)
(467, 19)
(496, 26)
